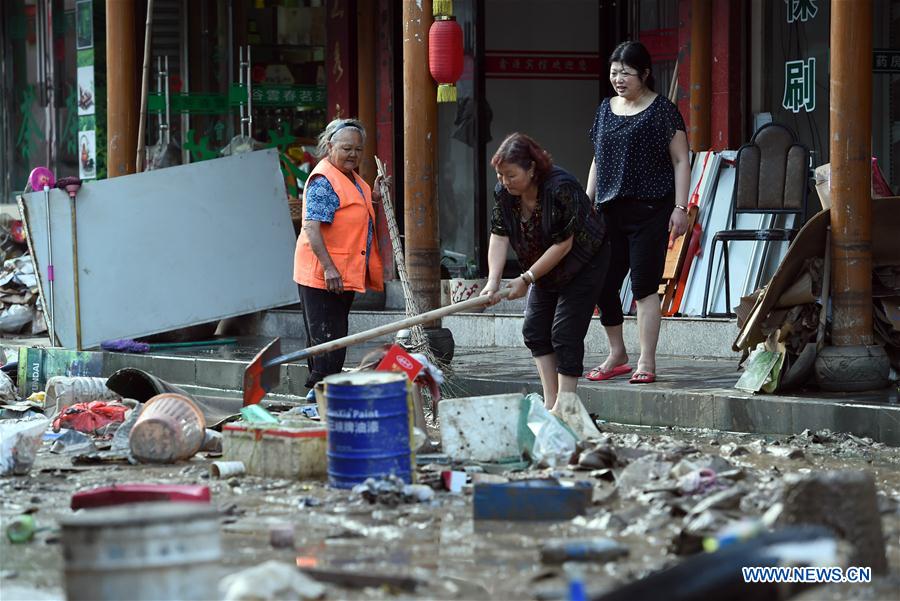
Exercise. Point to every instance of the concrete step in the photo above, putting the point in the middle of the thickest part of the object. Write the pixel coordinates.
(691, 393)
(679, 336)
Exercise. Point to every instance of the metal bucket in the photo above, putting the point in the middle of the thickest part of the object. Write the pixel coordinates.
(142, 551)
(369, 429)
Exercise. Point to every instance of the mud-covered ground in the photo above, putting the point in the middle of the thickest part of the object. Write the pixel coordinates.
(644, 498)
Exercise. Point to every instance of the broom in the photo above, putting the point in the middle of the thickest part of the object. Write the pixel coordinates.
(127, 345)
(417, 337)
(418, 340)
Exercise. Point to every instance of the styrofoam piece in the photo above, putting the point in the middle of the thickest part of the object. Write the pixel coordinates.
(169, 248)
(279, 451)
(482, 428)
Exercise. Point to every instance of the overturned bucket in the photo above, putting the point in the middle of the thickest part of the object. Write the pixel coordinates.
(368, 427)
(170, 428)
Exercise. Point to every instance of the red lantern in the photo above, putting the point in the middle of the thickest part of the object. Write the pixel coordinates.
(445, 56)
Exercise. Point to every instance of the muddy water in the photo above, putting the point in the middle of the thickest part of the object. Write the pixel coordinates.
(438, 544)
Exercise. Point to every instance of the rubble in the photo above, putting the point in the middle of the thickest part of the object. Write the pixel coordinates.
(629, 503)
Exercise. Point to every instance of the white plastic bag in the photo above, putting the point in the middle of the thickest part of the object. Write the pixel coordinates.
(543, 437)
(20, 440)
(570, 409)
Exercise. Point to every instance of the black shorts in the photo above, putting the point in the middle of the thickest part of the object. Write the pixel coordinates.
(638, 231)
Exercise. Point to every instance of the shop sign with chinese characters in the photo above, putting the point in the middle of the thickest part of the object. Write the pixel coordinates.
(886, 61)
(800, 74)
(513, 64)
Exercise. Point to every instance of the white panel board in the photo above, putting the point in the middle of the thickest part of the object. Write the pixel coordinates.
(169, 248)
(714, 211)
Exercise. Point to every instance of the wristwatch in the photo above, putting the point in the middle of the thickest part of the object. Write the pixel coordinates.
(681, 208)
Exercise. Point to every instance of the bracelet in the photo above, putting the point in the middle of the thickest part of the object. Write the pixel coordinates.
(681, 208)
(528, 276)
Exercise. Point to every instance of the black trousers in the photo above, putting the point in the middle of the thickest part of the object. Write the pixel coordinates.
(557, 320)
(638, 233)
(327, 318)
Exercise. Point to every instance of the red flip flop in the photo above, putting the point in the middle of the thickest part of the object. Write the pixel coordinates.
(642, 377)
(598, 375)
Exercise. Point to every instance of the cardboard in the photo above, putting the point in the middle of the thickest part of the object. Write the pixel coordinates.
(809, 243)
(37, 365)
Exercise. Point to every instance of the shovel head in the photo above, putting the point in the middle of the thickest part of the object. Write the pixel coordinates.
(259, 379)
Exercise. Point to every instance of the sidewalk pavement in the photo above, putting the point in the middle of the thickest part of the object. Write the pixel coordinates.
(691, 393)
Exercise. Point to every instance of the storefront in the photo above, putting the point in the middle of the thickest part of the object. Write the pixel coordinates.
(532, 66)
(54, 90)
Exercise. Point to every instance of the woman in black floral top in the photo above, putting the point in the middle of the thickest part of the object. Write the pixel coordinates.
(639, 180)
(542, 212)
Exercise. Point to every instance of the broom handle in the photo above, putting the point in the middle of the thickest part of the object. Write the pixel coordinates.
(145, 77)
(393, 230)
(388, 328)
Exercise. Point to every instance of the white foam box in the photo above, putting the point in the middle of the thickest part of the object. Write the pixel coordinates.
(280, 451)
(482, 428)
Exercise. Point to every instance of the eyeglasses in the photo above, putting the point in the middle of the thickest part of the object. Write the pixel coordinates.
(624, 74)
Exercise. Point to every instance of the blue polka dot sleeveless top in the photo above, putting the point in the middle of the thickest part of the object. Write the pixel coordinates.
(631, 153)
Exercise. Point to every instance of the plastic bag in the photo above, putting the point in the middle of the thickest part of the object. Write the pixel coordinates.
(570, 409)
(15, 317)
(20, 440)
(544, 438)
(8, 392)
(90, 417)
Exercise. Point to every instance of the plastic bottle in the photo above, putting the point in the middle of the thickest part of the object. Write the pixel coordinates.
(20, 529)
(592, 549)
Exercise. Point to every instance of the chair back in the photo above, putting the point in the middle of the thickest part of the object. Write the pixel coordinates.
(772, 174)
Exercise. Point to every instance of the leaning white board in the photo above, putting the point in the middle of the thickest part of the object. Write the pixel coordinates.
(167, 249)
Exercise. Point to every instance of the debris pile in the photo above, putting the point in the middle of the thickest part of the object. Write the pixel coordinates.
(555, 501)
(19, 307)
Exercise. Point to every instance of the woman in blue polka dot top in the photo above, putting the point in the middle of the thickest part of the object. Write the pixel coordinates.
(639, 179)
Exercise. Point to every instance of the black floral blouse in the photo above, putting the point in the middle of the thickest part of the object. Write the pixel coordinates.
(631, 153)
(563, 210)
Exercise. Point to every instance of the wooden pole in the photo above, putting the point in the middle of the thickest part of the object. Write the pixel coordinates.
(851, 171)
(122, 109)
(701, 74)
(145, 83)
(365, 56)
(419, 151)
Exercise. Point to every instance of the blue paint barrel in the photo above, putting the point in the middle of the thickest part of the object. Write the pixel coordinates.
(367, 416)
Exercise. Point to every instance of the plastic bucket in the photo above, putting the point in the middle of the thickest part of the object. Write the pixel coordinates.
(170, 428)
(368, 427)
(142, 551)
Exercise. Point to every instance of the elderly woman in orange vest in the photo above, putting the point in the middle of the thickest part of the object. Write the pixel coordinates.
(337, 251)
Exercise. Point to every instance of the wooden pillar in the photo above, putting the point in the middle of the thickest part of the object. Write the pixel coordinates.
(340, 62)
(365, 65)
(851, 171)
(701, 73)
(122, 103)
(419, 150)
(384, 118)
(727, 74)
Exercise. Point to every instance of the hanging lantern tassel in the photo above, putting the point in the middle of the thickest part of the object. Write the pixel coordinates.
(442, 8)
(445, 56)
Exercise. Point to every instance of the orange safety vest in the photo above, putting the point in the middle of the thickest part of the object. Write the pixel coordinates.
(345, 237)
